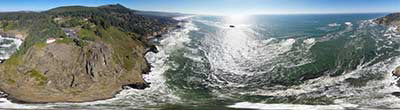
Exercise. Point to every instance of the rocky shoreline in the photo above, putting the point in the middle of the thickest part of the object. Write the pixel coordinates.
(12, 36)
(391, 20)
(152, 48)
(149, 47)
(3, 95)
(107, 54)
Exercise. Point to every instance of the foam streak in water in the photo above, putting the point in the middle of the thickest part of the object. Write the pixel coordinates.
(260, 106)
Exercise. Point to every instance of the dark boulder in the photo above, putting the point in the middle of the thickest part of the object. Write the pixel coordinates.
(137, 85)
(397, 94)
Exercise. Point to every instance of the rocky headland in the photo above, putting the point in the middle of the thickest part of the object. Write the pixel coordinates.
(76, 53)
(391, 20)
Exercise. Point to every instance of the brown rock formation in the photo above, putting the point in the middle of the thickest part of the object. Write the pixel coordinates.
(62, 72)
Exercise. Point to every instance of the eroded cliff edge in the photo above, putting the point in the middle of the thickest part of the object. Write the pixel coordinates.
(393, 22)
(76, 54)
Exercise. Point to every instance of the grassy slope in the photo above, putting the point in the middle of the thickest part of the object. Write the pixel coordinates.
(108, 25)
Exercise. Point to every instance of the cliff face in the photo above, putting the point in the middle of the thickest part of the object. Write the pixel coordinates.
(65, 72)
(392, 19)
(94, 64)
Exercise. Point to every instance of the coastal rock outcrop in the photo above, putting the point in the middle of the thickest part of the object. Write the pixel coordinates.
(64, 72)
(396, 71)
(392, 19)
(104, 54)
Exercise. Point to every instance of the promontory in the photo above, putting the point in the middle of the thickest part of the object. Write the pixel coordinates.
(77, 53)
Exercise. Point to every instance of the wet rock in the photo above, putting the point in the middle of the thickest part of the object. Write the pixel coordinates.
(137, 85)
(390, 19)
(146, 69)
(396, 72)
(397, 94)
(158, 36)
(152, 48)
(2, 94)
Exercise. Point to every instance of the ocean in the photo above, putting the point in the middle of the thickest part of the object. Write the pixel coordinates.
(305, 61)
(8, 46)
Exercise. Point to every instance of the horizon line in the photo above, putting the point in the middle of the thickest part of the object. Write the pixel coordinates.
(209, 14)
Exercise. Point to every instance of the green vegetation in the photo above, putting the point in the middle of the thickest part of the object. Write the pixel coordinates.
(86, 34)
(116, 33)
(114, 15)
(114, 24)
(13, 60)
(11, 81)
(40, 44)
(122, 44)
(43, 25)
(39, 26)
(391, 19)
(65, 40)
(73, 22)
(39, 77)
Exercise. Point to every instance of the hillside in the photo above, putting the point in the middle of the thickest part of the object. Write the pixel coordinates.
(77, 53)
(392, 19)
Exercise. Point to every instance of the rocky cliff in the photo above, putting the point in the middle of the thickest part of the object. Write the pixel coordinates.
(106, 53)
(65, 72)
(392, 19)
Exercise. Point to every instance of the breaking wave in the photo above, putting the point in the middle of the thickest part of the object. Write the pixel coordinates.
(273, 64)
(8, 46)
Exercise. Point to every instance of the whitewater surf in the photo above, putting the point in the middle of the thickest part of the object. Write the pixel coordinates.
(338, 61)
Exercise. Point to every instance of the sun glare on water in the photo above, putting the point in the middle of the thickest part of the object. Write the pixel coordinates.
(237, 18)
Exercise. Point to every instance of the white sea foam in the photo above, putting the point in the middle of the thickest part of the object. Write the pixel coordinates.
(309, 41)
(261, 106)
(237, 52)
(348, 23)
(8, 49)
(158, 92)
(333, 25)
(392, 32)
(288, 42)
(6, 104)
(376, 92)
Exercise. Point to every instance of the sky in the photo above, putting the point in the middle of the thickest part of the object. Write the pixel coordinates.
(220, 7)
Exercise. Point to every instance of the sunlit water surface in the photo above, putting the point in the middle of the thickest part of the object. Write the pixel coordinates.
(333, 61)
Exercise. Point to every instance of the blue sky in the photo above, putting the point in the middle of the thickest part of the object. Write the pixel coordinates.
(220, 7)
